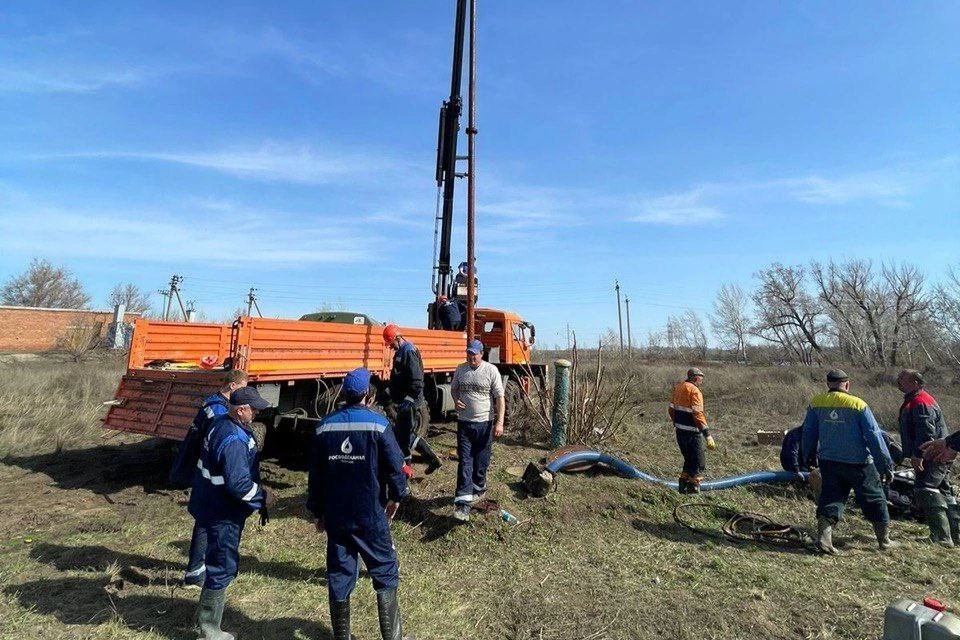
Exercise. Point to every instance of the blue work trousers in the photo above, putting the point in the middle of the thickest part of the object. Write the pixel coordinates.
(198, 551)
(839, 478)
(403, 427)
(379, 556)
(474, 446)
(223, 552)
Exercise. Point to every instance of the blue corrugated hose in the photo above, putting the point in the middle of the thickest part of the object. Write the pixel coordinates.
(626, 470)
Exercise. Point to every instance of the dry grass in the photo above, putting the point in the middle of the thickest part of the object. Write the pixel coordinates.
(92, 545)
(52, 404)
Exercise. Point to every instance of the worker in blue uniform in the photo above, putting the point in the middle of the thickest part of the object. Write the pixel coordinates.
(226, 490)
(448, 314)
(355, 484)
(184, 466)
(406, 392)
(840, 429)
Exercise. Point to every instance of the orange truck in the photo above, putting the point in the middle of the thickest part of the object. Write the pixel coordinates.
(297, 365)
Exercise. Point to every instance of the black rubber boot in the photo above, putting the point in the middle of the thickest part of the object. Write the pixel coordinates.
(433, 462)
(935, 510)
(388, 610)
(882, 529)
(340, 619)
(210, 614)
(825, 536)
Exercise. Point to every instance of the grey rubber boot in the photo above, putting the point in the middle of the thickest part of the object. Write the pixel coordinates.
(825, 536)
(882, 529)
(433, 461)
(388, 610)
(935, 510)
(210, 614)
(340, 619)
(953, 516)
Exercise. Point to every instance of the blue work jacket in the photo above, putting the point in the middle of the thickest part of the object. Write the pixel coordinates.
(227, 483)
(846, 431)
(356, 466)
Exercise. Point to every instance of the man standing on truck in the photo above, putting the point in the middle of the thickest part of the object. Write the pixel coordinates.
(406, 392)
(476, 386)
(690, 424)
(226, 490)
(185, 465)
(448, 314)
(355, 485)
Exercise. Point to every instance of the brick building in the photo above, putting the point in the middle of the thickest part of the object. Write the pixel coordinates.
(34, 329)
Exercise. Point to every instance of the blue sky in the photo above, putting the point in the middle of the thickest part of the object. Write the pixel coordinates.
(290, 146)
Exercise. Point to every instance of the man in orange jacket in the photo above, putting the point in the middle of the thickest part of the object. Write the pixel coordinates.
(690, 423)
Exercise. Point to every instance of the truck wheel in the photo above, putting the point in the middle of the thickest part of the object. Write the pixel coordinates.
(421, 419)
(516, 405)
(260, 432)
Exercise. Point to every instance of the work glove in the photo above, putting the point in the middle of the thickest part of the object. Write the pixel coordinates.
(711, 443)
(408, 471)
(264, 516)
(269, 498)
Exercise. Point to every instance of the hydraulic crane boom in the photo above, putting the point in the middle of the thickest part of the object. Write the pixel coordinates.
(448, 132)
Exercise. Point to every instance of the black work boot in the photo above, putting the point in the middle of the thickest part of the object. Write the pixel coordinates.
(882, 529)
(388, 610)
(210, 614)
(825, 536)
(340, 619)
(433, 462)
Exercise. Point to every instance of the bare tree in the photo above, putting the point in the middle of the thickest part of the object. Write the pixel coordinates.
(730, 321)
(686, 335)
(857, 306)
(81, 337)
(44, 285)
(130, 296)
(905, 286)
(945, 311)
(787, 314)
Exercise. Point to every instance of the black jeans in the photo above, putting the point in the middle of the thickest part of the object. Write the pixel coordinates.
(694, 455)
(839, 478)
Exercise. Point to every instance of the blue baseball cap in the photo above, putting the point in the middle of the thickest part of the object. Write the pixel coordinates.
(250, 396)
(357, 382)
(474, 347)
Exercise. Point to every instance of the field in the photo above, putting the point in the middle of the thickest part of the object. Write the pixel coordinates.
(92, 544)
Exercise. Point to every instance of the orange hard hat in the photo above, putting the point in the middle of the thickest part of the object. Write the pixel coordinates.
(390, 333)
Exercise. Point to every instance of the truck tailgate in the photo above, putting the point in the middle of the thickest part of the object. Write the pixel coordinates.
(160, 403)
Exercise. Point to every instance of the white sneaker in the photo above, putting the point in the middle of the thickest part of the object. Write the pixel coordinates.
(461, 512)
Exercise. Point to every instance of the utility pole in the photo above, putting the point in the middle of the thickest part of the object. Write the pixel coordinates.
(252, 302)
(629, 333)
(174, 290)
(191, 310)
(619, 314)
(471, 167)
(166, 302)
(568, 336)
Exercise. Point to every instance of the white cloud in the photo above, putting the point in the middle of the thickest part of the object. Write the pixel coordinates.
(61, 81)
(678, 209)
(269, 161)
(885, 189)
(144, 234)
